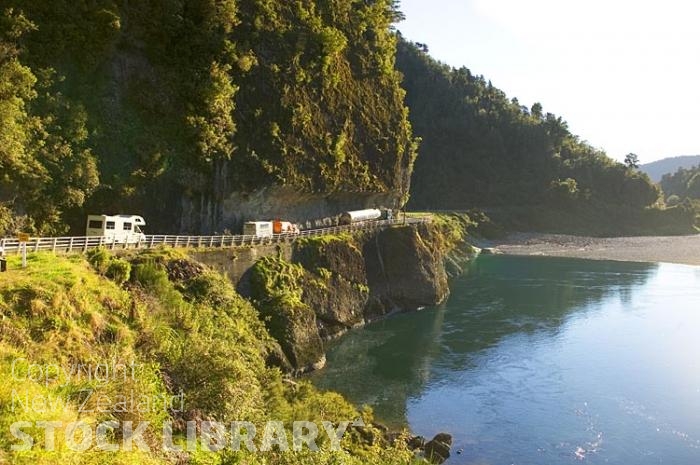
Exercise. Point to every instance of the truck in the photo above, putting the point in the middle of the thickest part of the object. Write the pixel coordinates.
(116, 229)
(258, 228)
(360, 216)
(284, 227)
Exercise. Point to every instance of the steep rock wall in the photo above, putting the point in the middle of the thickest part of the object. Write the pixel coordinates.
(405, 270)
(318, 288)
(207, 214)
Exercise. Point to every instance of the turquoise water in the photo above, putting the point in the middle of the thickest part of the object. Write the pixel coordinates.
(541, 361)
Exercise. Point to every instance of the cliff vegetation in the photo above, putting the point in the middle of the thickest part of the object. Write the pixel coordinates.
(186, 332)
(167, 108)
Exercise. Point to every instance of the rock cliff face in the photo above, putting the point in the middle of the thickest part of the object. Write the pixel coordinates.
(406, 270)
(209, 214)
(336, 285)
(318, 288)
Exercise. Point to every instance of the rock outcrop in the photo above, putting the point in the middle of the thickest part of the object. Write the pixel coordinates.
(318, 288)
(405, 270)
(208, 215)
(437, 450)
(277, 289)
(336, 284)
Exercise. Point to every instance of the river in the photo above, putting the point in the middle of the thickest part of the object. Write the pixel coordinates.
(537, 360)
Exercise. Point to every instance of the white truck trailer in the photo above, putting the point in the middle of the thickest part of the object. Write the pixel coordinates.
(360, 216)
(258, 228)
(116, 229)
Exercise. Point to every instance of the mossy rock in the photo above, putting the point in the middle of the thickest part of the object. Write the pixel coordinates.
(277, 288)
(337, 254)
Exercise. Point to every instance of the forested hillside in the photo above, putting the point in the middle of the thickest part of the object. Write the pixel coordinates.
(481, 149)
(684, 183)
(199, 114)
(166, 108)
(657, 169)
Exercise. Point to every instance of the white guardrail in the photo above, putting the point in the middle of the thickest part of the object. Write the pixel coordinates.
(82, 244)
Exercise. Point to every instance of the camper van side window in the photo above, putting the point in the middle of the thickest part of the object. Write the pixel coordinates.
(127, 226)
(110, 225)
(95, 224)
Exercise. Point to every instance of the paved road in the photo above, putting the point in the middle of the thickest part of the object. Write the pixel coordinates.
(80, 244)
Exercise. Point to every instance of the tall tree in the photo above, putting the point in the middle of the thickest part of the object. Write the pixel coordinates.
(632, 161)
(45, 166)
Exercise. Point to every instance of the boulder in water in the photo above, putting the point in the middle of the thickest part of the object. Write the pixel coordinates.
(438, 449)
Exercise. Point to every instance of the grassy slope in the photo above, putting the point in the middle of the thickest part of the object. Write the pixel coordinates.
(193, 333)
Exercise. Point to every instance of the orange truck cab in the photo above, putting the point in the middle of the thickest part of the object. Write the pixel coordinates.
(284, 227)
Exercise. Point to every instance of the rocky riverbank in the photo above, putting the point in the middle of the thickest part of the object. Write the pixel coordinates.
(663, 249)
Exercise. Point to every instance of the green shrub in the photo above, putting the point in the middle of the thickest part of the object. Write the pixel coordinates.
(99, 259)
(119, 271)
(151, 276)
(563, 192)
(673, 200)
(324, 273)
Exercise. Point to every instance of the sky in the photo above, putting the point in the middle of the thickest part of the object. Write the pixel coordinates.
(624, 74)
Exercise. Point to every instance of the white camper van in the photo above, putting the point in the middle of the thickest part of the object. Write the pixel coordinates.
(117, 229)
(258, 228)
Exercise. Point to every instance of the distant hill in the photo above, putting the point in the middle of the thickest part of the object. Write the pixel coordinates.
(657, 169)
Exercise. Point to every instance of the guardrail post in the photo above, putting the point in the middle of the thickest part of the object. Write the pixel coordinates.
(70, 245)
(189, 238)
(211, 241)
(55, 242)
(150, 246)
